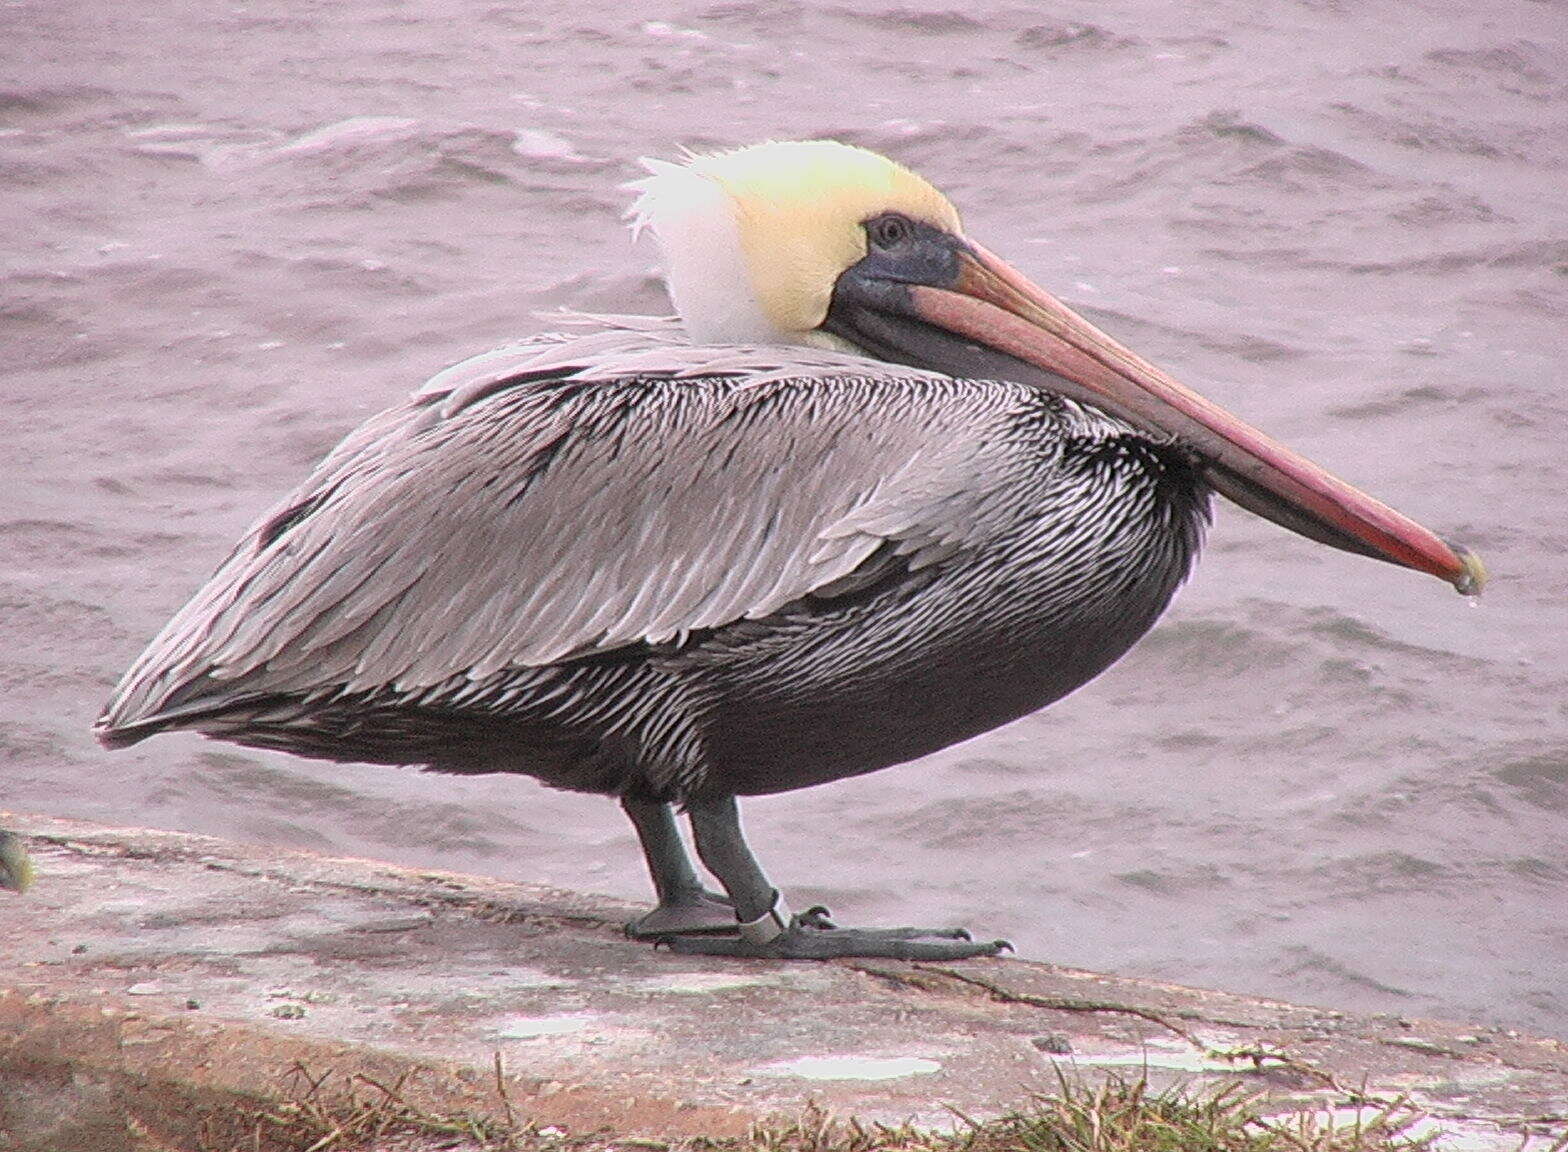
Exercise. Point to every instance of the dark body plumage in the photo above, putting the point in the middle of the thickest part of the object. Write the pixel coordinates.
(625, 565)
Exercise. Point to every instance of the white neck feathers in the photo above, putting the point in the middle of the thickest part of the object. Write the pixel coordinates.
(693, 219)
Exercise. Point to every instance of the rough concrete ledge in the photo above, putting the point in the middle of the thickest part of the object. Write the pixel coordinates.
(154, 983)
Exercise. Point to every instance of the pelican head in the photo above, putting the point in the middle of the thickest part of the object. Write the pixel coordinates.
(755, 239)
(821, 243)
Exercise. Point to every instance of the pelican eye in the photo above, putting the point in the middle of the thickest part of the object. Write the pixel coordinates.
(889, 230)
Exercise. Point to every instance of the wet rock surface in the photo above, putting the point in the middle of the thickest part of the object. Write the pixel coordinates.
(152, 982)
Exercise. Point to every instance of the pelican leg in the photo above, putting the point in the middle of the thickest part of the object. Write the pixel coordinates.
(684, 904)
(766, 929)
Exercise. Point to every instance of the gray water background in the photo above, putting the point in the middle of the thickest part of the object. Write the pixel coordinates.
(230, 232)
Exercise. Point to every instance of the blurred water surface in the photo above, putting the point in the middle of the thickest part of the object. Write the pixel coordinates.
(231, 232)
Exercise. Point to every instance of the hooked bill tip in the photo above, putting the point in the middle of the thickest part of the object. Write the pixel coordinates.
(1472, 579)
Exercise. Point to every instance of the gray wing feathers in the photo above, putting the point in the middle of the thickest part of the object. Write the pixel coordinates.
(487, 525)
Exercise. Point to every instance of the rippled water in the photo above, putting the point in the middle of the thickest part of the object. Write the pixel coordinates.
(231, 232)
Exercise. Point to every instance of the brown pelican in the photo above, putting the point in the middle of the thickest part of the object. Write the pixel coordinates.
(16, 869)
(882, 494)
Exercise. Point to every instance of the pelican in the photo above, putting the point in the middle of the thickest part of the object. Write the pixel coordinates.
(874, 492)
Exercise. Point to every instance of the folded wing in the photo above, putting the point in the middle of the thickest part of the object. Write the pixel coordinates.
(560, 499)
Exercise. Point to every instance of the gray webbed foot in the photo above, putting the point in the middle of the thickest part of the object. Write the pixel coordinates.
(813, 936)
(766, 929)
(699, 913)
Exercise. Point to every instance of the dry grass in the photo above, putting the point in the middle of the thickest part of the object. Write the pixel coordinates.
(1114, 1115)
(328, 1113)
(318, 1113)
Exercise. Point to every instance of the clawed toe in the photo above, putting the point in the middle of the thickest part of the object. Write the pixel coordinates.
(921, 933)
(818, 917)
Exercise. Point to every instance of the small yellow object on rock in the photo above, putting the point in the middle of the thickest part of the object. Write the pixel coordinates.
(16, 868)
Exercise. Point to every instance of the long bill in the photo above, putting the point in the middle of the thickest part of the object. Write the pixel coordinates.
(992, 305)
